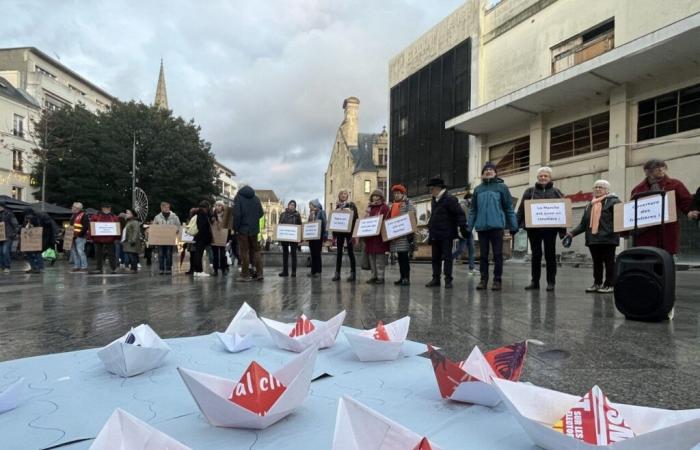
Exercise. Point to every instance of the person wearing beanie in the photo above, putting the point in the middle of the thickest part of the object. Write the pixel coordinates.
(375, 247)
(317, 214)
(491, 213)
(247, 211)
(446, 218)
(402, 246)
(289, 216)
(345, 239)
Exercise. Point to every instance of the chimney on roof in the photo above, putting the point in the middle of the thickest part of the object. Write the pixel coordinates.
(351, 106)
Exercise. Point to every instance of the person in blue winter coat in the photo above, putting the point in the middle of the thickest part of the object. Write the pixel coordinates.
(491, 213)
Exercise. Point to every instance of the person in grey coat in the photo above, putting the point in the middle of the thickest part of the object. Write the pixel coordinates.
(165, 252)
(11, 231)
(402, 246)
(131, 240)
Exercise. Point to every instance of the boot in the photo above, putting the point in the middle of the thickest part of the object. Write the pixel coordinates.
(352, 276)
(482, 285)
(496, 285)
(448, 284)
(398, 282)
(435, 282)
(532, 287)
(336, 277)
(405, 282)
(283, 274)
(550, 287)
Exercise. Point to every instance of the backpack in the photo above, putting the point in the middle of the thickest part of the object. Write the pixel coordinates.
(191, 227)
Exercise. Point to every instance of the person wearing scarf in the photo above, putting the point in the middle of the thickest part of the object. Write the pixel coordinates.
(375, 247)
(317, 214)
(345, 239)
(292, 217)
(401, 246)
(597, 224)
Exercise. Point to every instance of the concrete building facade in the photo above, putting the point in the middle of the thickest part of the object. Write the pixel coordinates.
(358, 161)
(226, 185)
(591, 88)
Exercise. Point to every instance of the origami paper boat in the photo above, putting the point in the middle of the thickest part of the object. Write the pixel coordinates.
(369, 348)
(322, 336)
(9, 398)
(124, 431)
(145, 353)
(470, 380)
(536, 409)
(236, 343)
(358, 427)
(211, 393)
(245, 322)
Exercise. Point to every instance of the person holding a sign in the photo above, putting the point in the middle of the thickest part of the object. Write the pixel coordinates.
(32, 221)
(402, 246)
(202, 239)
(539, 237)
(104, 245)
(131, 241)
(317, 214)
(598, 223)
(491, 213)
(667, 236)
(80, 222)
(345, 238)
(375, 247)
(165, 252)
(289, 216)
(220, 237)
(9, 221)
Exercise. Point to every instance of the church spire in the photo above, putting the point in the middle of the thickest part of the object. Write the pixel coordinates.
(161, 100)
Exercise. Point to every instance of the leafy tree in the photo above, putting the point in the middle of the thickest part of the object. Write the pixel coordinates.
(89, 157)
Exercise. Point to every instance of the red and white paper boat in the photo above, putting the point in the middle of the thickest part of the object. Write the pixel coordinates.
(214, 394)
(246, 322)
(470, 380)
(146, 351)
(358, 427)
(125, 432)
(536, 409)
(322, 335)
(9, 397)
(382, 343)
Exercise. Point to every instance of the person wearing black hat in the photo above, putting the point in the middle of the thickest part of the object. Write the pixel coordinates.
(446, 218)
(491, 213)
(11, 230)
(104, 245)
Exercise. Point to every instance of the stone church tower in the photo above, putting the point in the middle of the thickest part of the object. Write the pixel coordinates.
(161, 100)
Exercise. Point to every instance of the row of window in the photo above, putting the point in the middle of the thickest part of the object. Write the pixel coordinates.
(666, 114)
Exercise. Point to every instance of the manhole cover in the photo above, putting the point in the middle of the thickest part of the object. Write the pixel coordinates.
(554, 355)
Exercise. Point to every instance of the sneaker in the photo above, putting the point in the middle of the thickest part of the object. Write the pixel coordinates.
(283, 274)
(433, 283)
(550, 288)
(336, 277)
(398, 282)
(474, 271)
(352, 277)
(245, 279)
(481, 286)
(593, 288)
(405, 282)
(204, 274)
(496, 285)
(605, 290)
(533, 287)
(6, 271)
(448, 284)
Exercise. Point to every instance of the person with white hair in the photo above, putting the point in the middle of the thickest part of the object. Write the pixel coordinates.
(541, 237)
(81, 224)
(597, 223)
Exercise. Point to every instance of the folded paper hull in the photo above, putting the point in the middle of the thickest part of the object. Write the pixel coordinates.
(477, 393)
(9, 397)
(235, 343)
(127, 360)
(369, 349)
(536, 409)
(246, 322)
(323, 336)
(124, 431)
(211, 393)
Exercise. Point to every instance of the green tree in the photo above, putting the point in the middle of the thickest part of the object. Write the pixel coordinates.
(89, 157)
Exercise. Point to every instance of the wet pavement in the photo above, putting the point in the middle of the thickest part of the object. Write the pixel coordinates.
(586, 340)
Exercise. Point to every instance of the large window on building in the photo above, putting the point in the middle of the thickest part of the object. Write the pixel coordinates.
(18, 126)
(17, 160)
(17, 193)
(511, 157)
(382, 186)
(421, 147)
(580, 137)
(669, 113)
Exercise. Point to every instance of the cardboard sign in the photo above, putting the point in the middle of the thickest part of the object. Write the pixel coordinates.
(2, 231)
(548, 213)
(184, 237)
(68, 236)
(258, 390)
(399, 226)
(302, 327)
(162, 235)
(367, 227)
(312, 231)
(31, 239)
(594, 421)
(288, 233)
(648, 212)
(219, 236)
(340, 221)
(380, 333)
(105, 229)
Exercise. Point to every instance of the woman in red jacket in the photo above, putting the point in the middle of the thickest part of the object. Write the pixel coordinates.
(375, 247)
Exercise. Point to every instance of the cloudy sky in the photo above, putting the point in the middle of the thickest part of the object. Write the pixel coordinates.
(264, 79)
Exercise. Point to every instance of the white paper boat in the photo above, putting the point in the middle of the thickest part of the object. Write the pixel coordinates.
(9, 397)
(323, 335)
(358, 427)
(236, 343)
(212, 394)
(245, 322)
(125, 432)
(126, 360)
(537, 409)
(367, 348)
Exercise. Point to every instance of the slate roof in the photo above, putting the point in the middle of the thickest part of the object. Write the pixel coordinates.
(18, 95)
(362, 154)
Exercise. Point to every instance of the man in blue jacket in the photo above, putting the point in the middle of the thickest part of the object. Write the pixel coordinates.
(490, 214)
(247, 211)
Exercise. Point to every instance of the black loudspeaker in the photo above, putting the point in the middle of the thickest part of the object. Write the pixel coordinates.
(646, 284)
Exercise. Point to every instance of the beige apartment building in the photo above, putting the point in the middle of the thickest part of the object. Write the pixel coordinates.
(225, 184)
(358, 161)
(591, 88)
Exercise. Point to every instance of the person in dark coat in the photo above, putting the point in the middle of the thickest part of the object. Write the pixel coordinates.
(32, 220)
(289, 216)
(247, 211)
(345, 239)
(539, 237)
(597, 223)
(446, 218)
(202, 239)
(375, 247)
(11, 231)
(104, 245)
(317, 214)
(656, 179)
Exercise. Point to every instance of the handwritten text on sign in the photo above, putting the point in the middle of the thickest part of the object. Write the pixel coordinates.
(312, 231)
(398, 226)
(648, 212)
(340, 221)
(553, 214)
(369, 226)
(287, 233)
(106, 229)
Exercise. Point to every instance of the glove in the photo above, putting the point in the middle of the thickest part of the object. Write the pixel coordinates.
(464, 232)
